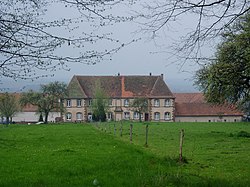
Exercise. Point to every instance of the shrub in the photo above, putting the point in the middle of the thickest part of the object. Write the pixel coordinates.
(243, 134)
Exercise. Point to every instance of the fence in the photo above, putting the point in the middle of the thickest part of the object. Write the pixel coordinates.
(128, 133)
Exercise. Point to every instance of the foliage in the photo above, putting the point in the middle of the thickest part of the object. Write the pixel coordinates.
(139, 105)
(243, 134)
(8, 106)
(38, 155)
(100, 104)
(33, 42)
(227, 78)
(48, 100)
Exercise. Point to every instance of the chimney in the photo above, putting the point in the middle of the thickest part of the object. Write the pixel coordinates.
(162, 75)
(150, 74)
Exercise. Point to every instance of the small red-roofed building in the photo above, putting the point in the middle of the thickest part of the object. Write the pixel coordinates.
(192, 107)
(29, 113)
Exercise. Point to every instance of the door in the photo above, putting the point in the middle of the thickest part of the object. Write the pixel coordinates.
(146, 117)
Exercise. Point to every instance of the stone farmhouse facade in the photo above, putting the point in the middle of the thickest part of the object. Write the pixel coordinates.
(121, 91)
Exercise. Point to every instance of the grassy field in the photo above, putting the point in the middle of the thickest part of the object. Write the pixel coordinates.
(216, 154)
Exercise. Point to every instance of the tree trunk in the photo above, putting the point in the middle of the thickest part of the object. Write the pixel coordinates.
(7, 121)
(46, 117)
(40, 117)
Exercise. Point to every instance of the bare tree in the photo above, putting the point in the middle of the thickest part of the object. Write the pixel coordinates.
(211, 18)
(30, 39)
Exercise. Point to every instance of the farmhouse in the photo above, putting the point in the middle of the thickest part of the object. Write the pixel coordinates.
(121, 91)
(163, 105)
(192, 107)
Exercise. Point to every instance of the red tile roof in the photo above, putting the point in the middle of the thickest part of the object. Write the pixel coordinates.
(122, 86)
(189, 98)
(194, 104)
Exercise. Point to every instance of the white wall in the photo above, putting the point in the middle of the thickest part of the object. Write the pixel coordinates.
(33, 116)
(208, 119)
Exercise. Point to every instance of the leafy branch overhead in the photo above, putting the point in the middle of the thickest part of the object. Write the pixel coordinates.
(227, 78)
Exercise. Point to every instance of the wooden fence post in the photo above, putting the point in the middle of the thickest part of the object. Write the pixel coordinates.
(146, 144)
(109, 128)
(131, 132)
(121, 130)
(114, 130)
(181, 144)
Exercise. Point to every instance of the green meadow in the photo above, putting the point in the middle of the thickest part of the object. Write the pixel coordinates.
(101, 154)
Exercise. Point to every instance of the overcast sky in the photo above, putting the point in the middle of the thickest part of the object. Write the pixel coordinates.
(140, 58)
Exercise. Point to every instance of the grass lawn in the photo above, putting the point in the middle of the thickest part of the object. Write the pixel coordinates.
(217, 154)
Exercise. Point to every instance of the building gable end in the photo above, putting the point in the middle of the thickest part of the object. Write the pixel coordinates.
(75, 90)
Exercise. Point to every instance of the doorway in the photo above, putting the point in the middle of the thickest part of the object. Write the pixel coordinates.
(146, 116)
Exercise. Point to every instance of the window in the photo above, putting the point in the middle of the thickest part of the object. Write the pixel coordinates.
(136, 115)
(78, 116)
(167, 116)
(167, 102)
(89, 116)
(110, 116)
(156, 102)
(68, 116)
(126, 115)
(90, 102)
(68, 103)
(79, 102)
(157, 116)
(126, 102)
(110, 102)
